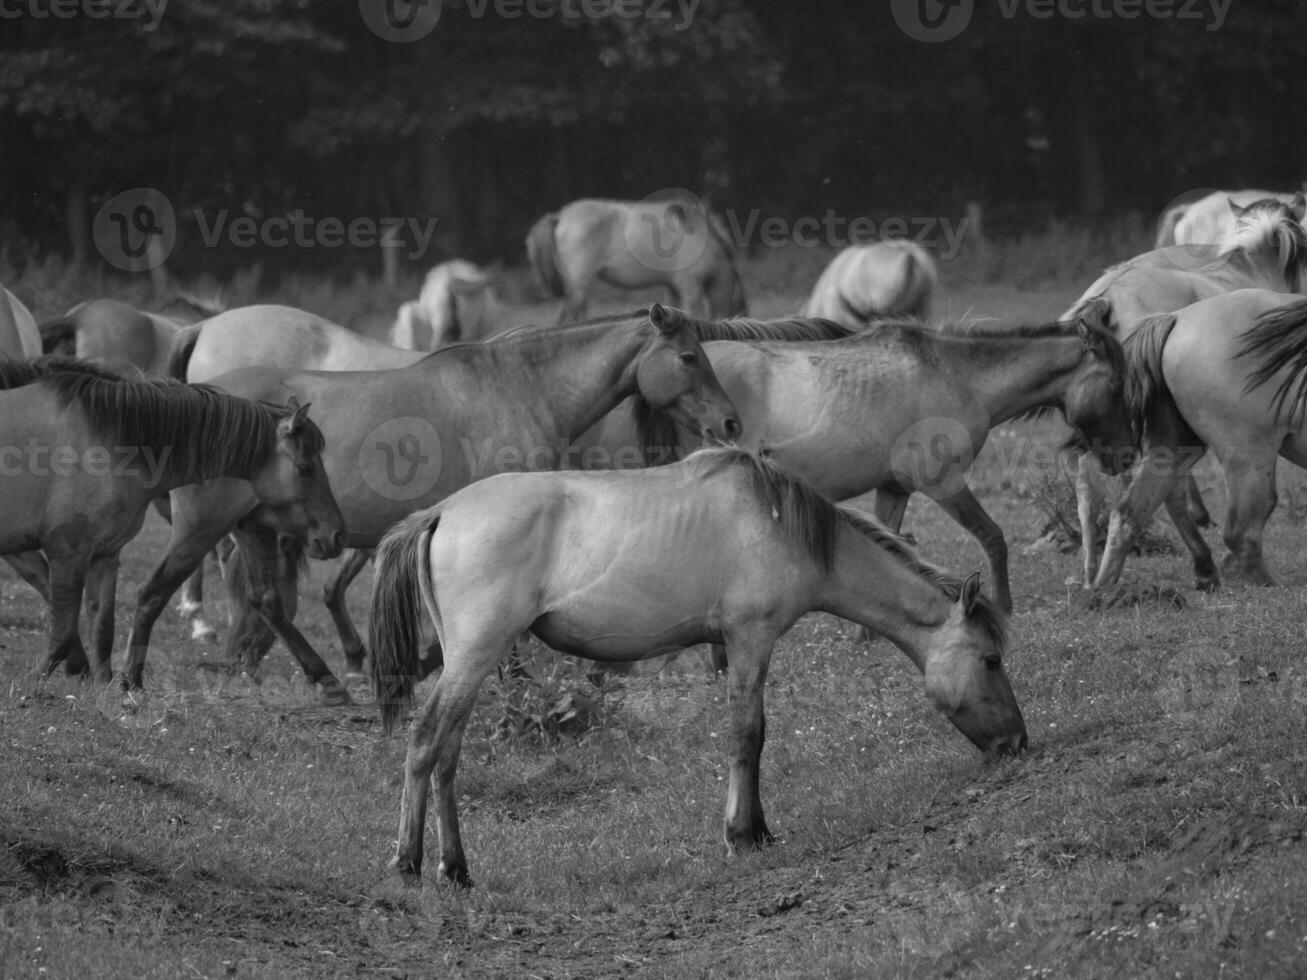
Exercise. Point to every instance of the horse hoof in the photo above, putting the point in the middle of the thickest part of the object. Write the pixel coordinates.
(333, 694)
(1207, 584)
(455, 874)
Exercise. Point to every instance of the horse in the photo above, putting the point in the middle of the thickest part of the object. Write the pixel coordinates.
(899, 409)
(725, 547)
(109, 332)
(1267, 250)
(679, 244)
(894, 277)
(458, 303)
(403, 439)
(19, 337)
(1228, 375)
(87, 452)
(1208, 219)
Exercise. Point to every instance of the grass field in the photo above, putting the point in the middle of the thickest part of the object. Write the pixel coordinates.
(226, 826)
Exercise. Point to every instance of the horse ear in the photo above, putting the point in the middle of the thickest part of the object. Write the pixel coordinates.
(298, 412)
(1097, 313)
(665, 320)
(1235, 209)
(970, 593)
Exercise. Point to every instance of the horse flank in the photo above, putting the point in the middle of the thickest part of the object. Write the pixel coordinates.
(195, 431)
(1279, 341)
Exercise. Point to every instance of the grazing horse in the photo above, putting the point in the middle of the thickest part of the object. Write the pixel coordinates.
(403, 439)
(1228, 374)
(900, 409)
(724, 547)
(121, 336)
(88, 451)
(679, 244)
(864, 282)
(19, 337)
(457, 304)
(1266, 250)
(1208, 219)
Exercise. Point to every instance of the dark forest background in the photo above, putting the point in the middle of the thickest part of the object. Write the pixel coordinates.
(260, 107)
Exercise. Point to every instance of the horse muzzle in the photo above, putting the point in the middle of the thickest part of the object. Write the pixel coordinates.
(324, 546)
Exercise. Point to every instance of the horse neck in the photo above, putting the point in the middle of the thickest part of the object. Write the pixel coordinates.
(571, 378)
(1012, 375)
(870, 586)
(1260, 266)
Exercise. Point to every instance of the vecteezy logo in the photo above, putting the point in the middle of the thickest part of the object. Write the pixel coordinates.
(136, 230)
(400, 459)
(932, 21)
(1200, 220)
(401, 21)
(932, 456)
(668, 231)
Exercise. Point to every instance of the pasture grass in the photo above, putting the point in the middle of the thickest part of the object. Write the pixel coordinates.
(223, 826)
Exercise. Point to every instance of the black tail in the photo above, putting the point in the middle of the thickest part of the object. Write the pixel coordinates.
(395, 616)
(542, 250)
(59, 336)
(183, 346)
(1279, 340)
(1145, 386)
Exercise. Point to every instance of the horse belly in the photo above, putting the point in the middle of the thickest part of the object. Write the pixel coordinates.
(625, 636)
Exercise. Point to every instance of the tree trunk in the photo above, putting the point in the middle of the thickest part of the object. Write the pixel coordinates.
(77, 221)
(439, 191)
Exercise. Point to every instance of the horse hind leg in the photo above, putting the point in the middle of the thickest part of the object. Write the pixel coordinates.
(102, 590)
(1178, 504)
(1251, 482)
(1194, 503)
(67, 582)
(964, 508)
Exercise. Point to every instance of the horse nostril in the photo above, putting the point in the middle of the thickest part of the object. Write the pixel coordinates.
(732, 428)
(338, 541)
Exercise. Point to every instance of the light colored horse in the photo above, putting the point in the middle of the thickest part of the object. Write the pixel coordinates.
(457, 304)
(724, 547)
(678, 244)
(1267, 250)
(1209, 219)
(899, 409)
(890, 278)
(120, 336)
(88, 451)
(403, 439)
(19, 337)
(1227, 375)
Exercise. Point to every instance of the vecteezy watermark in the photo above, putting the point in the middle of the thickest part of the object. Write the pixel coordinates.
(136, 231)
(40, 460)
(401, 458)
(148, 12)
(934, 21)
(306, 231)
(405, 21)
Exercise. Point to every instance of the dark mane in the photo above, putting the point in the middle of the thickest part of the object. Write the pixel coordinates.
(812, 522)
(655, 431)
(795, 328)
(196, 431)
(995, 330)
(15, 373)
(1279, 341)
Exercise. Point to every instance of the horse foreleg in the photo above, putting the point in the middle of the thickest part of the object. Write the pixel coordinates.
(67, 580)
(1158, 477)
(1179, 506)
(333, 595)
(1250, 477)
(1089, 500)
(888, 504)
(101, 590)
(1194, 505)
(744, 826)
(33, 569)
(265, 585)
(964, 508)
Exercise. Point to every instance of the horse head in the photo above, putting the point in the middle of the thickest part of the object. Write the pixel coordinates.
(1272, 227)
(1094, 403)
(674, 374)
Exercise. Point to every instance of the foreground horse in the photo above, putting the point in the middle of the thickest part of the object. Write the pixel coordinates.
(399, 440)
(678, 244)
(899, 409)
(19, 336)
(1266, 250)
(724, 548)
(457, 304)
(121, 336)
(864, 282)
(88, 452)
(1228, 374)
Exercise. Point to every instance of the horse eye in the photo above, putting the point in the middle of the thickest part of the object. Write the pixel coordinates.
(689, 358)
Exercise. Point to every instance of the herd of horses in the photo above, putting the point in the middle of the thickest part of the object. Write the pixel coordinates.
(628, 485)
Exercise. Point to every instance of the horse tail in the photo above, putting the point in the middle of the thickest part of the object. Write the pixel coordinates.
(542, 250)
(59, 336)
(402, 585)
(919, 281)
(1280, 341)
(1145, 385)
(179, 355)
